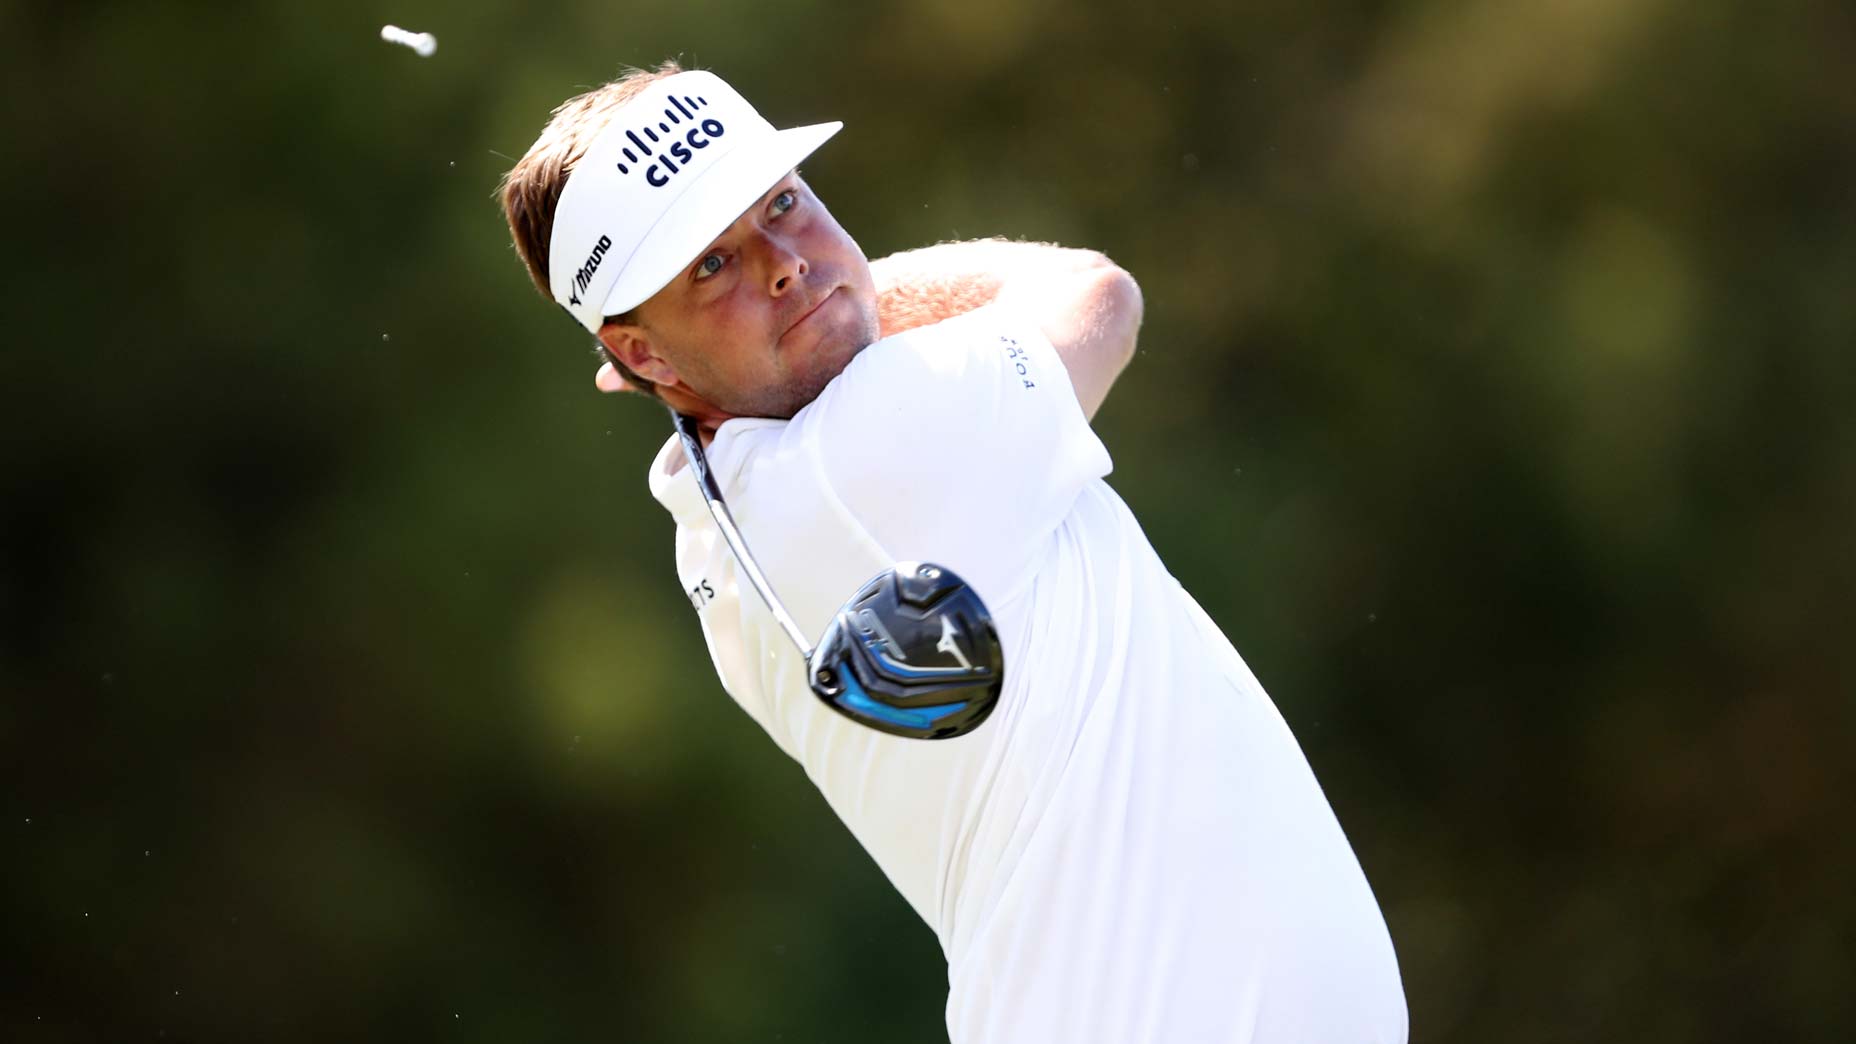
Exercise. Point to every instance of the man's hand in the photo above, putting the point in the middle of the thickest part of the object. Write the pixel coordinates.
(609, 380)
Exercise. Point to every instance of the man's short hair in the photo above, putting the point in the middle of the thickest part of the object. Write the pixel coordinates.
(532, 188)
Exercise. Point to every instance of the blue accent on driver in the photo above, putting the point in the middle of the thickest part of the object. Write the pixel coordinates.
(856, 700)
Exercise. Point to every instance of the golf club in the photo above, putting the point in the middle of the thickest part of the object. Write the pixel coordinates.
(913, 653)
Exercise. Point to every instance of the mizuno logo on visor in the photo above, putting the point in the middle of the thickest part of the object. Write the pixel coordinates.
(681, 132)
(585, 275)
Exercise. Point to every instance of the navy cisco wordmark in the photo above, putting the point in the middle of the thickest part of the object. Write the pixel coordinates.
(697, 136)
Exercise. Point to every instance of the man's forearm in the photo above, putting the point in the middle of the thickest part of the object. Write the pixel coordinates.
(1089, 308)
(921, 287)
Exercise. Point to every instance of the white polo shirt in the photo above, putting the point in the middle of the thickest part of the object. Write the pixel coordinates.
(1132, 847)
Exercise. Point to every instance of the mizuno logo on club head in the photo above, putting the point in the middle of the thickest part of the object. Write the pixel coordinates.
(681, 132)
(585, 274)
(951, 647)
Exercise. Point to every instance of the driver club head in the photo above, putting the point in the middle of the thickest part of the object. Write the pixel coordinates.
(913, 653)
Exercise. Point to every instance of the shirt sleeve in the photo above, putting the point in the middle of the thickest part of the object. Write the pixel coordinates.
(960, 443)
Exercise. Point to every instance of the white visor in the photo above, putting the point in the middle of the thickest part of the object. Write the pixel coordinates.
(675, 167)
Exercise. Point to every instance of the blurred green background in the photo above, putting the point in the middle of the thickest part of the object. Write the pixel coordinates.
(1495, 396)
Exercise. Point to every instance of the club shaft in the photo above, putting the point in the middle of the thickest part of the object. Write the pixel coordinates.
(718, 509)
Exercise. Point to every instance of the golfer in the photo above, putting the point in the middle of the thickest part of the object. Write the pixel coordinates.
(1132, 847)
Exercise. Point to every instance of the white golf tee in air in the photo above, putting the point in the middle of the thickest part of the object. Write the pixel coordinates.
(423, 43)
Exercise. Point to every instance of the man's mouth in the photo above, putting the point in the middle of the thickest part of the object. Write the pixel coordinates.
(809, 313)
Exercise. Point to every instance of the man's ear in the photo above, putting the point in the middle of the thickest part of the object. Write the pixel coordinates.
(633, 345)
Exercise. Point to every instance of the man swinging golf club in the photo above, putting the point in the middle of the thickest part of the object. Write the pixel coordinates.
(1116, 838)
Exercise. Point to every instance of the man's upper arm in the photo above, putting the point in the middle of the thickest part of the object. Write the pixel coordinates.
(1087, 306)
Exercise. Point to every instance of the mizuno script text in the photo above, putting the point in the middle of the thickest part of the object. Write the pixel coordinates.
(585, 274)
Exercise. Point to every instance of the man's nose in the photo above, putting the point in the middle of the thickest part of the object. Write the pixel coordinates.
(784, 267)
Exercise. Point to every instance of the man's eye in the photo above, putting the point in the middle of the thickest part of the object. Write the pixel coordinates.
(708, 266)
(785, 201)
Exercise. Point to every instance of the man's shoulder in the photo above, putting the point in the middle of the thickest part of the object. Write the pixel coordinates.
(898, 373)
(959, 442)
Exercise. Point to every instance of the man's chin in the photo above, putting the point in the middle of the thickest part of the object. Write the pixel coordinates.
(822, 362)
(832, 354)
(782, 401)
(808, 387)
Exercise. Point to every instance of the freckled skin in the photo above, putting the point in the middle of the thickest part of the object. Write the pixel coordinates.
(762, 320)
